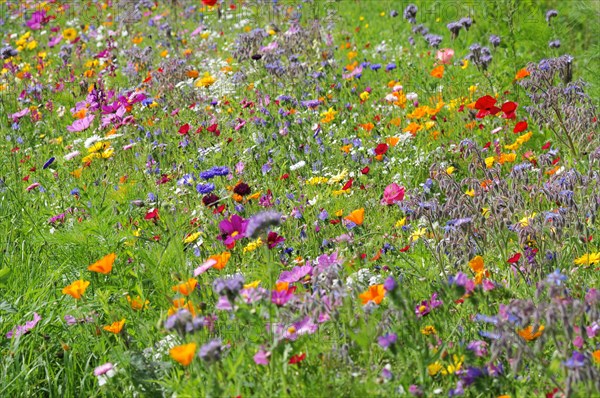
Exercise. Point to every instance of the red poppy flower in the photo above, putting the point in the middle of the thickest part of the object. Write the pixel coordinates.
(381, 149)
(297, 358)
(214, 128)
(486, 106)
(509, 109)
(546, 146)
(209, 2)
(520, 127)
(515, 258)
(365, 170)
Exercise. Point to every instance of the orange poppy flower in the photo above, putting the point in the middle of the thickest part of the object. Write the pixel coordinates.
(104, 265)
(180, 303)
(357, 216)
(76, 289)
(392, 141)
(375, 294)
(137, 303)
(521, 74)
(115, 327)
(184, 354)
(221, 260)
(438, 72)
(186, 288)
(528, 334)
(476, 264)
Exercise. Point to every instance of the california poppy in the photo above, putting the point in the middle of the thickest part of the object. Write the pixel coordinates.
(438, 72)
(221, 260)
(184, 354)
(375, 294)
(357, 216)
(115, 327)
(104, 265)
(186, 288)
(76, 289)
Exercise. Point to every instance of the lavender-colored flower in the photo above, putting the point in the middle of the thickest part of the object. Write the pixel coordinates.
(454, 28)
(261, 222)
(229, 287)
(410, 13)
(466, 22)
(296, 274)
(415, 390)
(394, 13)
(184, 323)
(433, 40)
(554, 44)
(211, 352)
(103, 369)
(479, 348)
(556, 278)
(387, 340)
(494, 40)
(550, 14)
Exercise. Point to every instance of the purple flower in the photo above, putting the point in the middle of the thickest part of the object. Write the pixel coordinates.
(415, 390)
(48, 162)
(390, 284)
(229, 287)
(20, 330)
(577, 360)
(479, 348)
(296, 274)
(387, 340)
(205, 188)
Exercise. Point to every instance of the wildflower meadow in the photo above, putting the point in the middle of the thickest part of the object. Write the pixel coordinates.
(299, 198)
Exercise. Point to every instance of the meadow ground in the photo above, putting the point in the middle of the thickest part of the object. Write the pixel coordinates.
(299, 198)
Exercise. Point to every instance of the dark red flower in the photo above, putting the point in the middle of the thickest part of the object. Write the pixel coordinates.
(273, 239)
(210, 199)
(381, 149)
(520, 126)
(183, 130)
(214, 128)
(209, 2)
(365, 170)
(242, 189)
(546, 146)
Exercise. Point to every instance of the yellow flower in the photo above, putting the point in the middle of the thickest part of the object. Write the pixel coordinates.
(191, 237)
(470, 192)
(250, 247)
(400, 223)
(524, 222)
(206, 81)
(69, 34)
(427, 330)
(252, 285)
(434, 368)
(317, 180)
(115, 327)
(337, 178)
(419, 233)
(76, 289)
(184, 354)
(489, 162)
(364, 95)
(450, 170)
(588, 259)
(328, 116)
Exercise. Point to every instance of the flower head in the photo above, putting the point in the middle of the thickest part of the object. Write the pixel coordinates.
(76, 289)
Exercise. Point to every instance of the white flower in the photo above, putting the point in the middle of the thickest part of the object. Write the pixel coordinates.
(298, 165)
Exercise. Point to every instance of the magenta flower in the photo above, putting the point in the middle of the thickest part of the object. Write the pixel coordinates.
(232, 230)
(393, 193)
(262, 357)
(280, 298)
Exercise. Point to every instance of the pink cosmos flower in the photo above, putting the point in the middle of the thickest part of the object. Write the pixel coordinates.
(393, 193)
